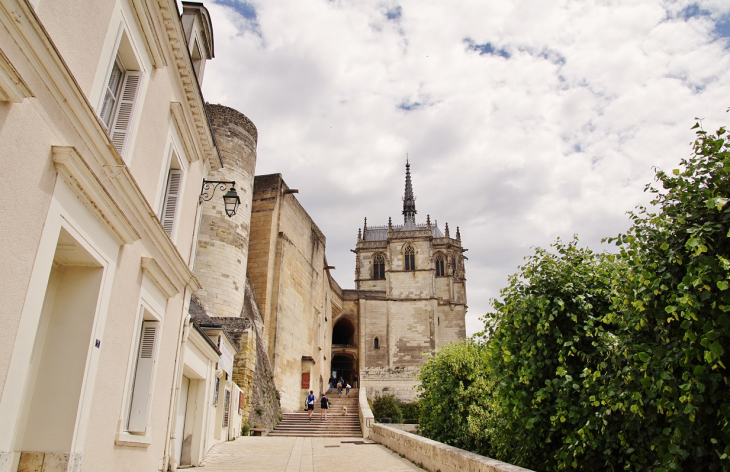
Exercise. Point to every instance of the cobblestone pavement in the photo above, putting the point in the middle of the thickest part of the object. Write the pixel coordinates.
(292, 454)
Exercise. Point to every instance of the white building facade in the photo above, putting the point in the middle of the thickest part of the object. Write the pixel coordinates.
(104, 144)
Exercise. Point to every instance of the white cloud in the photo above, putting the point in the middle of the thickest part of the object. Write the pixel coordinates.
(558, 138)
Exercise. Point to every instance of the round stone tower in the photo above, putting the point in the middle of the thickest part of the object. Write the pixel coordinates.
(222, 252)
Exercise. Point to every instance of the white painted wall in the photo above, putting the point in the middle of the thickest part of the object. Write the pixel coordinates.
(100, 301)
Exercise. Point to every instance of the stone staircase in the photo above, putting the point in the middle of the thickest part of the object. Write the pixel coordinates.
(337, 424)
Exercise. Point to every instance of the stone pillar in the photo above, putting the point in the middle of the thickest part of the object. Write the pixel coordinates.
(222, 252)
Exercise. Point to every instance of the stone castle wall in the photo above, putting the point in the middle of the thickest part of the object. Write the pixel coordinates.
(265, 409)
(223, 242)
(262, 249)
(222, 263)
(287, 268)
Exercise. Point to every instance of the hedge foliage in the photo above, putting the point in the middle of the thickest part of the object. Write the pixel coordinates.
(597, 361)
(386, 406)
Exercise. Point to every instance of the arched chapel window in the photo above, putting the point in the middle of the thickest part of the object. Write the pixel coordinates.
(379, 267)
(440, 272)
(453, 265)
(376, 344)
(410, 257)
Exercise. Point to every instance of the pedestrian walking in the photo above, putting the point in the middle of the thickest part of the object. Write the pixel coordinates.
(347, 390)
(310, 403)
(324, 404)
(354, 381)
(332, 383)
(340, 384)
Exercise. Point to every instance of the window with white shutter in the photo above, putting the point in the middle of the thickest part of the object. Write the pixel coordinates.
(215, 390)
(124, 113)
(227, 408)
(172, 195)
(121, 94)
(111, 94)
(142, 387)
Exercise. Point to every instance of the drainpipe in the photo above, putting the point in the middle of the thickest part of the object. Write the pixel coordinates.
(177, 380)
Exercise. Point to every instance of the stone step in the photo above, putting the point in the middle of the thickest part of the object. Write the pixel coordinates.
(336, 425)
(319, 424)
(330, 419)
(336, 418)
(300, 427)
(353, 429)
(317, 435)
(324, 432)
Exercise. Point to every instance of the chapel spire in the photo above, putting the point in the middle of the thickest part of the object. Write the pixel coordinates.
(409, 201)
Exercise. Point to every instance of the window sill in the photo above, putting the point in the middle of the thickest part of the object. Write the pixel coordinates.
(128, 439)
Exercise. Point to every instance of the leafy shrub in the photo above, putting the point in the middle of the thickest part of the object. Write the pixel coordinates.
(454, 387)
(550, 346)
(674, 314)
(386, 406)
(410, 411)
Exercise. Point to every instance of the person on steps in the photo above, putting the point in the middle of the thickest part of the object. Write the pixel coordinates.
(324, 406)
(354, 381)
(333, 382)
(347, 390)
(310, 403)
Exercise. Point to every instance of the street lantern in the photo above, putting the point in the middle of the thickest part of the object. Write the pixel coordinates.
(230, 199)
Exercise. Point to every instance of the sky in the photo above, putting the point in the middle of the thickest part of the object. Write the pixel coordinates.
(524, 121)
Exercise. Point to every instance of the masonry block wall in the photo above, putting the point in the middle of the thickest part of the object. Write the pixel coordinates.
(262, 248)
(287, 270)
(223, 242)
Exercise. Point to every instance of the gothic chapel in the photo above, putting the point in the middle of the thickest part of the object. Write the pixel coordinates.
(410, 299)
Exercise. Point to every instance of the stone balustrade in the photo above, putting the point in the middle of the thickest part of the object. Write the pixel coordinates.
(367, 419)
(433, 455)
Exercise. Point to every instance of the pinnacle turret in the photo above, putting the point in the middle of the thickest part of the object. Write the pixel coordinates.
(409, 201)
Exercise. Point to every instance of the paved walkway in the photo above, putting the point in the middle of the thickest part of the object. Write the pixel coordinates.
(294, 454)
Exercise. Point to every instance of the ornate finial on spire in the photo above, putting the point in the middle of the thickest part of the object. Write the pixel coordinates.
(409, 201)
(390, 224)
(365, 226)
(458, 234)
(446, 231)
(359, 235)
(428, 221)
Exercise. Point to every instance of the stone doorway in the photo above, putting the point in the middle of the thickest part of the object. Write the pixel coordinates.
(343, 366)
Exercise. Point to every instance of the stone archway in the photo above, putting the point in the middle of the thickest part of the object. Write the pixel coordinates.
(343, 333)
(343, 365)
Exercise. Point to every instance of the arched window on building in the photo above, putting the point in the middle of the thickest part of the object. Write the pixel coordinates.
(410, 258)
(379, 266)
(376, 344)
(453, 265)
(440, 263)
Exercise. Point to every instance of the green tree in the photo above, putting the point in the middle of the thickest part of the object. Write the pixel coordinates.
(550, 349)
(673, 313)
(595, 361)
(453, 393)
